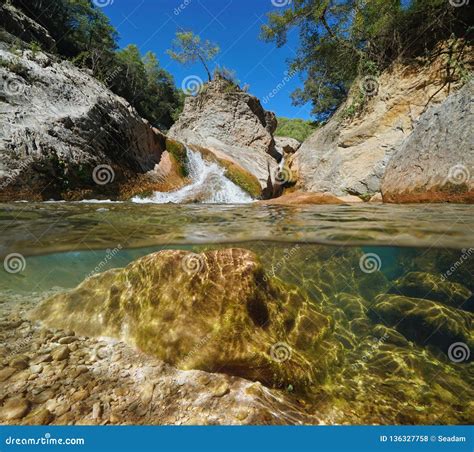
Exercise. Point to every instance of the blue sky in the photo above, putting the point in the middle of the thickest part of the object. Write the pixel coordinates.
(233, 24)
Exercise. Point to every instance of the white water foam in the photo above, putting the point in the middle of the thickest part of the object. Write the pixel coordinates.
(208, 186)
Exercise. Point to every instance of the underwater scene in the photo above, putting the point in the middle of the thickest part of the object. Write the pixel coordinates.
(122, 313)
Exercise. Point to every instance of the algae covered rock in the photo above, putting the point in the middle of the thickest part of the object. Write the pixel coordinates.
(214, 311)
(434, 287)
(424, 321)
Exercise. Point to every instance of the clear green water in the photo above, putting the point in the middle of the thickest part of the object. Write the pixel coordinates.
(402, 361)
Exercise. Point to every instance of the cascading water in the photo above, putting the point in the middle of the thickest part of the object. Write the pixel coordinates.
(208, 186)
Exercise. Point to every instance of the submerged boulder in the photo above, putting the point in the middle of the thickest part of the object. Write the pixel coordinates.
(214, 311)
(424, 321)
(434, 287)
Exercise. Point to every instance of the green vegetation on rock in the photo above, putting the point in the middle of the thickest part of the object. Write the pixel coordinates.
(178, 151)
(234, 172)
(299, 129)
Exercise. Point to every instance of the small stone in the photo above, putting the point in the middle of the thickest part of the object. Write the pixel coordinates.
(80, 395)
(241, 415)
(79, 370)
(6, 373)
(42, 416)
(102, 353)
(36, 369)
(60, 353)
(68, 340)
(220, 390)
(15, 408)
(96, 411)
(19, 363)
(44, 358)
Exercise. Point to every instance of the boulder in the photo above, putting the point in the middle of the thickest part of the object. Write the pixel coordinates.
(424, 321)
(349, 154)
(216, 311)
(227, 120)
(436, 162)
(63, 134)
(434, 287)
(286, 145)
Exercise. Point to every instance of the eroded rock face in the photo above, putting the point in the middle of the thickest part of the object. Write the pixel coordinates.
(349, 154)
(229, 121)
(436, 162)
(58, 124)
(216, 311)
(16, 22)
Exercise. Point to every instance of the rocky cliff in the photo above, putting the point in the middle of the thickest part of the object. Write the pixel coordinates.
(350, 153)
(232, 124)
(436, 162)
(63, 134)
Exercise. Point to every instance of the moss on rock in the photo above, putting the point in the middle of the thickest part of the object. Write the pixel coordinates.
(214, 311)
(177, 151)
(233, 171)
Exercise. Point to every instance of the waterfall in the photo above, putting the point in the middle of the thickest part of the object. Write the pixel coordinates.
(208, 185)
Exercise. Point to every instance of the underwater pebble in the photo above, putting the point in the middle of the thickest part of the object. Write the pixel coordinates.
(15, 408)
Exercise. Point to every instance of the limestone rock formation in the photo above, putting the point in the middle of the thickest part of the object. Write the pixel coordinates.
(227, 120)
(436, 162)
(286, 145)
(349, 154)
(16, 22)
(63, 134)
(216, 311)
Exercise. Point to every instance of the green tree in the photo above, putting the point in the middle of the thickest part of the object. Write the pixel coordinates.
(342, 39)
(147, 86)
(187, 48)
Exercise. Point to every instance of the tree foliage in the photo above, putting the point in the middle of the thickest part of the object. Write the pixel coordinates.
(187, 48)
(299, 129)
(84, 34)
(341, 39)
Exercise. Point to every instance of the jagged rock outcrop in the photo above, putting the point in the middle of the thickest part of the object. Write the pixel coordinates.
(244, 323)
(286, 146)
(229, 121)
(14, 21)
(436, 162)
(350, 153)
(63, 134)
